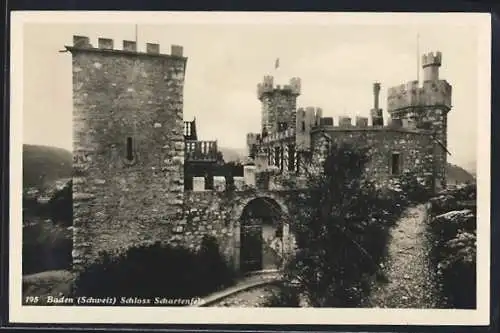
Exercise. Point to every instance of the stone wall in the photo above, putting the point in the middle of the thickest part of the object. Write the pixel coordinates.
(416, 149)
(128, 146)
(218, 214)
(278, 103)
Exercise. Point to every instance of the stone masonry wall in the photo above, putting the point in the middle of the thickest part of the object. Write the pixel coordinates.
(118, 95)
(218, 214)
(415, 148)
(278, 106)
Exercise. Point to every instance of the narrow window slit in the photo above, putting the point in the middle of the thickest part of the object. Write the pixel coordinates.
(130, 151)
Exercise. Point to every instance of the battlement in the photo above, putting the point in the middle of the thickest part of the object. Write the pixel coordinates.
(267, 86)
(343, 123)
(128, 47)
(346, 124)
(253, 139)
(314, 114)
(408, 95)
(431, 59)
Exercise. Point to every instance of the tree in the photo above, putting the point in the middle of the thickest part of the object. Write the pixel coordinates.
(61, 205)
(341, 227)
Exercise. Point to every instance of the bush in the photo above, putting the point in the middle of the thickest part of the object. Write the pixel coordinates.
(285, 297)
(157, 270)
(61, 206)
(454, 246)
(415, 188)
(46, 247)
(341, 228)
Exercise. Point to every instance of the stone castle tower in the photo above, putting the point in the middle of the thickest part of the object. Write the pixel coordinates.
(128, 144)
(279, 104)
(428, 106)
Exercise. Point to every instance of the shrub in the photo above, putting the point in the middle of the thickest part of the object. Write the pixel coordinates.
(157, 270)
(46, 247)
(286, 296)
(341, 228)
(60, 206)
(415, 188)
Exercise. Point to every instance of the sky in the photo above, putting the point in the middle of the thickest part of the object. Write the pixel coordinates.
(337, 64)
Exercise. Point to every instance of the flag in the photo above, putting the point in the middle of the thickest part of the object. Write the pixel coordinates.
(277, 63)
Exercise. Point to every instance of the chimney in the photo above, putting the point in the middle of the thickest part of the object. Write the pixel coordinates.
(376, 92)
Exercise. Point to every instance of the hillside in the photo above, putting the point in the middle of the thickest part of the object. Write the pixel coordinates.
(233, 154)
(456, 174)
(42, 165)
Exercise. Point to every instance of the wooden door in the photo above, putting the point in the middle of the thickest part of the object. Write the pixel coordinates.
(251, 245)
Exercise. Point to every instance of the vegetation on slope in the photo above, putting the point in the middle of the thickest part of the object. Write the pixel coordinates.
(157, 270)
(43, 165)
(453, 228)
(341, 229)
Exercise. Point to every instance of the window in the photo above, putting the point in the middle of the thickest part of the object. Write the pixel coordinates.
(303, 126)
(277, 157)
(282, 126)
(395, 164)
(130, 151)
(291, 158)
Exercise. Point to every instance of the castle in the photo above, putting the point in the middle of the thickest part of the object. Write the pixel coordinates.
(137, 162)
(413, 141)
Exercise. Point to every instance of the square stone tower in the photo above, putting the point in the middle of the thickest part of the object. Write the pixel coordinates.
(128, 145)
(428, 106)
(279, 104)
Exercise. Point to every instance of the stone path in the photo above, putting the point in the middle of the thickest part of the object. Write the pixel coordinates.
(410, 282)
(250, 291)
(254, 297)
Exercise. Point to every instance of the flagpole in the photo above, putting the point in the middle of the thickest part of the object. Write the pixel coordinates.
(418, 57)
(136, 34)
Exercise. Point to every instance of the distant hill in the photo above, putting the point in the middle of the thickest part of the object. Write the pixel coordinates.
(233, 154)
(43, 165)
(456, 174)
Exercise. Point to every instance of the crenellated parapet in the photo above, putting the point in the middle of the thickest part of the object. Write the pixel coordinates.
(253, 138)
(128, 47)
(430, 64)
(267, 87)
(359, 123)
(411, 95)
(433, 92)
(306, 119)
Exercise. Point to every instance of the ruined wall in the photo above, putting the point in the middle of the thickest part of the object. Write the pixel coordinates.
(128, 145)
(416, 149)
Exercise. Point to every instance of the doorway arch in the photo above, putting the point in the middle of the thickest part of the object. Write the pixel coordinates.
(262, 234)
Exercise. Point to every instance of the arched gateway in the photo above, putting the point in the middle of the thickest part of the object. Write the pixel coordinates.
(263, 235)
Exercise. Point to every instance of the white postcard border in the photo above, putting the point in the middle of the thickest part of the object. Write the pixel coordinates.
(156, 315)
